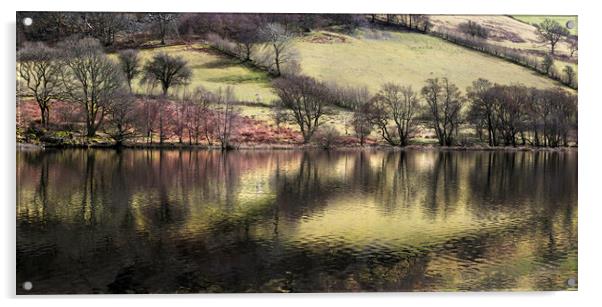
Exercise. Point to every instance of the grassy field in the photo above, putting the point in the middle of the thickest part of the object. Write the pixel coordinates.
(367, 58)
(536, 19)
(516, 32)
(212, 70)
(372, 57)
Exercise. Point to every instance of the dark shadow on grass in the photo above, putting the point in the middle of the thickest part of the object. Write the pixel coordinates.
(219, 63)
(237, 79)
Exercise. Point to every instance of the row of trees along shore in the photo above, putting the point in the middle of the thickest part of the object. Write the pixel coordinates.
(502, 115)
(78, 73)
(98, 93)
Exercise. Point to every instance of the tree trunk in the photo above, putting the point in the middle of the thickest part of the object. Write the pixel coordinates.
(161, 135)
(44, 116)
(277, 60)
(91, 131)
(248, 53)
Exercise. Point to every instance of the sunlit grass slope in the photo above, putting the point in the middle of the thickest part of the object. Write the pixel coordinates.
(368, 58)
(372, 59)
(213, 70)
(536, 19)
(517, 32)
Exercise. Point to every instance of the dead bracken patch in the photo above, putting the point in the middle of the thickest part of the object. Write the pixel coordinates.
(259, 132)
(326, 38)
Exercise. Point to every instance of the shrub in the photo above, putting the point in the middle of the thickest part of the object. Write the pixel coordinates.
(547, 63)
(473, 29)
(569, 73)
(326, 137)
(223, 44)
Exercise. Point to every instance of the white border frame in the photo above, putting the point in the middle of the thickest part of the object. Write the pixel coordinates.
(590, 108)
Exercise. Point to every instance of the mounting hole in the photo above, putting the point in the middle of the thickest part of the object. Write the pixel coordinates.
(27, 21)
(570, 24)
(27, 286)
(571, 282)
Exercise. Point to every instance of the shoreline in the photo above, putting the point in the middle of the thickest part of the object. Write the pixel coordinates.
(294, 147)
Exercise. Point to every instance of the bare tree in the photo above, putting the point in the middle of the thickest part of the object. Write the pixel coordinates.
(245, 30)
(510, 108)
(130, 65)
(566, 111)
(444, 103)
(397, 104)
(418, 22)
(550, 32)
(558, 116)
(167, 71)
(528, 115)
(363, 121)
(225, 115)
(182, 109)
(40, 72)
(199, 114)
(279, 114)
(483, 107)
(104, 25)
(279, 41)
(423, 23)
(162, 23)
(91, 79)
(121, 118)
(573, 45)
(149, 119)
(306, 98)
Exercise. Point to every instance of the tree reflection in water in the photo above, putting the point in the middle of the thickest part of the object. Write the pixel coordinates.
(165, 221)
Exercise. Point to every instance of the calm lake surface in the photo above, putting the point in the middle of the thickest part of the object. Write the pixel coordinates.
(171, 221)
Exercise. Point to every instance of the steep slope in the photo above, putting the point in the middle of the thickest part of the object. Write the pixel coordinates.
(536, 19)
(373, 57)
(517, 32)
(213, 70)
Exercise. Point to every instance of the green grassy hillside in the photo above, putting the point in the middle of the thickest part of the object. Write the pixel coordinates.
(372, 58)
(213, 70)
(517, 32)
(368, 58)
(536, 19)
